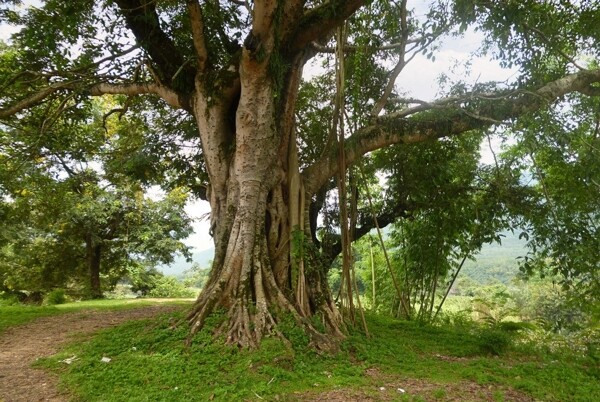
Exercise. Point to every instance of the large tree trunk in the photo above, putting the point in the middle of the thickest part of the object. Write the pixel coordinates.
(94, 255)
(261, 271)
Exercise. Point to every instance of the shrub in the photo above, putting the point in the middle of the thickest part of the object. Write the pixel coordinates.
(56, 296)
(145, 280)
(494, 341)
(9, 299)
(169, 286)
(121, 291)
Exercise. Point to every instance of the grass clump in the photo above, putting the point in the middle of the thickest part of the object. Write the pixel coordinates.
(54, 297)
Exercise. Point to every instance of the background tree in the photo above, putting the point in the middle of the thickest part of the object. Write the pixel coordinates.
(76, 213)
(236, 69)
(561, 220)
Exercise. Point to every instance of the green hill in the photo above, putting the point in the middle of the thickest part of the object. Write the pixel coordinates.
(496, 262)
(180, 265)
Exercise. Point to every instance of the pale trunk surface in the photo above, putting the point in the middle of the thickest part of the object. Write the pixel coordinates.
(259, 272)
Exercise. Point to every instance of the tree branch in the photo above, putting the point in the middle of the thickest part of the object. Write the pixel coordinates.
(197, 21)
(352, 49)
(33, 99)
(380, 104)
(472, 111)
(142, 19)
(170, 96)
(319, 22)
(549, 43)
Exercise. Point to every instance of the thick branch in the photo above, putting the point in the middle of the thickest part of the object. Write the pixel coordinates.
(141, 17)
(197, 22)
(263, 13)
(170, 96)
(367, 224)
(318, 22)
(469, 113)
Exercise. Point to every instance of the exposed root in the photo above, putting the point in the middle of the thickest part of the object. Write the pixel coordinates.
(255, 301)
(249, 319)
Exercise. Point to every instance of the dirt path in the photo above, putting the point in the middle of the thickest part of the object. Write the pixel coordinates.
(20, 346)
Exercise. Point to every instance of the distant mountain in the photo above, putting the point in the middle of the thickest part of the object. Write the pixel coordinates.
(180, 265)
(496, 262)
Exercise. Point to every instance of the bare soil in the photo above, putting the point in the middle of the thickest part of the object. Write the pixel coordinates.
(22, 345)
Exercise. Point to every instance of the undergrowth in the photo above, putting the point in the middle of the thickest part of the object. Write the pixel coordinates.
(149, 362)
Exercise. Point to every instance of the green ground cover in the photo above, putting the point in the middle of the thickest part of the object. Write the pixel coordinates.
(149, 362)
(20, 314)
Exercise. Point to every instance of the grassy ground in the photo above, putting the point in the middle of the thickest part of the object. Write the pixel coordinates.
(20, 314)
(150, 363)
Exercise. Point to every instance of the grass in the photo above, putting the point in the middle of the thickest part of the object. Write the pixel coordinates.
(21, 314)
(15, 315)
(150, 363)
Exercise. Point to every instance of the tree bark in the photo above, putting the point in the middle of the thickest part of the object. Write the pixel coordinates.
(261, 271)
(94, 256)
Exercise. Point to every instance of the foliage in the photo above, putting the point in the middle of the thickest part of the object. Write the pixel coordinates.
(144, 280)
(453, 207)
(152, 283)
(9, 298)
(554, 308)
(494, 305)
(584, 343)
(56, 296)
(72, 203)
(169, 286)
(196, 276)
(561, 220)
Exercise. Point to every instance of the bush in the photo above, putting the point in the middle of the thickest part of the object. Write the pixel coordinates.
(169, 286)
(9, 299)
(120, 291)
(494, 340)
(57, 296)
(144, 280)
(459, 319)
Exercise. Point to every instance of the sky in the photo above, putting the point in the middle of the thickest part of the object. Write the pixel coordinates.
(418, 79)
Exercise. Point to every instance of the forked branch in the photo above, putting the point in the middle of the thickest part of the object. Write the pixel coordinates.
(320, 21)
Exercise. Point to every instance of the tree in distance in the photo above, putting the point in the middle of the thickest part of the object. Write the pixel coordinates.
(76, 217)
